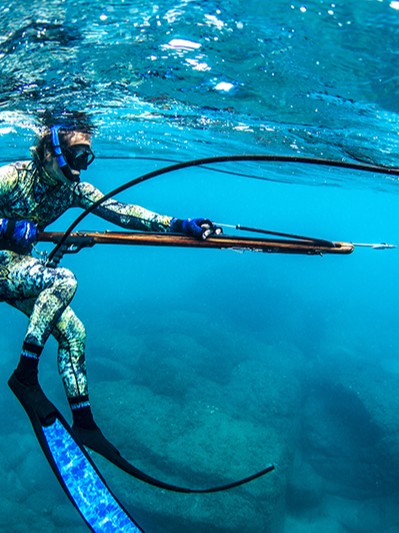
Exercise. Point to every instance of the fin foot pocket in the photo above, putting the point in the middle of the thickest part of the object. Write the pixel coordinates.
(95, 440)
(33, 400)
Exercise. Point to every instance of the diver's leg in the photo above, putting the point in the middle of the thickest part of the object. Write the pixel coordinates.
(43, 294)
(71, 336)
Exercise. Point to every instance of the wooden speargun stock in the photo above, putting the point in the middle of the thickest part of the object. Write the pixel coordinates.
(78, 240)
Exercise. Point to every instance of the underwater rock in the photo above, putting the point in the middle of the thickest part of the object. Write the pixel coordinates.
(364, 516)
(377, 391)
(202, 406)
(351, 429)
(326, 524)
(305, 488)
(268, 387)
(339, 441)
(175, 373)
(193, 444)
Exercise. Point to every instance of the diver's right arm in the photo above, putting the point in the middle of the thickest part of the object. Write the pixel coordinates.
(17, 235)
(8, 182)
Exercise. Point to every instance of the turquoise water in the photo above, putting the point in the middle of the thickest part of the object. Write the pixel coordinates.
(205, 366)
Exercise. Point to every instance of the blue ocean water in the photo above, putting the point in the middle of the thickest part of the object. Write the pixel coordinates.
(205, 366)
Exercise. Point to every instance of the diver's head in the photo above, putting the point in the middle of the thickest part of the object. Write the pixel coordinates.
(64, 148)
(69, 156)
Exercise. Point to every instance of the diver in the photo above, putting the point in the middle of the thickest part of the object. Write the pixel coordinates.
(33, 194)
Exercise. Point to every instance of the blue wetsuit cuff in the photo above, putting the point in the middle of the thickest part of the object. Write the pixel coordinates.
(176, 225)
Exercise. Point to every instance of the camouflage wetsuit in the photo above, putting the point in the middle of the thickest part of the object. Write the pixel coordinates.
(42, 293)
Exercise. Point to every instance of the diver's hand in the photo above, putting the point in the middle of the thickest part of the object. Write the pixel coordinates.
(200, 228)
(20, 233)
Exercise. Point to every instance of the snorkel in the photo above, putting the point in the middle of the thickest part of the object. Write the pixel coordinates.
(64, 167)
(77, 157)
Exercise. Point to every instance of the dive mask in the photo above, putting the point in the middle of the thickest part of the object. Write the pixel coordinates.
(79, 156)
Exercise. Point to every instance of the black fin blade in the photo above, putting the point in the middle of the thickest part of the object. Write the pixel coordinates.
(95, 440)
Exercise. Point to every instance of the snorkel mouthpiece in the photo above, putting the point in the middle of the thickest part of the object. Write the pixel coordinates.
(62, 163)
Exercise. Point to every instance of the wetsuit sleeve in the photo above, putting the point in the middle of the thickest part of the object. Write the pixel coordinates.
(126, 215)
(8, 187)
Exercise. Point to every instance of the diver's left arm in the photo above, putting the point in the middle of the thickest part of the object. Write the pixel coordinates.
(135, 217)
(128, 216)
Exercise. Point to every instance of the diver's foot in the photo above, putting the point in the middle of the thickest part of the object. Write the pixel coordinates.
(33, 399)
(95, 440)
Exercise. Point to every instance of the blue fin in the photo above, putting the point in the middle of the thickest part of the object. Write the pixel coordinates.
(72, 465)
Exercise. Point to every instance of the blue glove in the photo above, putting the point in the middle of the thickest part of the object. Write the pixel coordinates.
(21, 234)
(200, 228)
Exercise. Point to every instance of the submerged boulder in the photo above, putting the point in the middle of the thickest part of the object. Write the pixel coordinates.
(350, 427)
(195, 445)
(195, 431)
(305, 489)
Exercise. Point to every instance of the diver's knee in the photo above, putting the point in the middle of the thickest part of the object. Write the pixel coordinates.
(67, 279)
